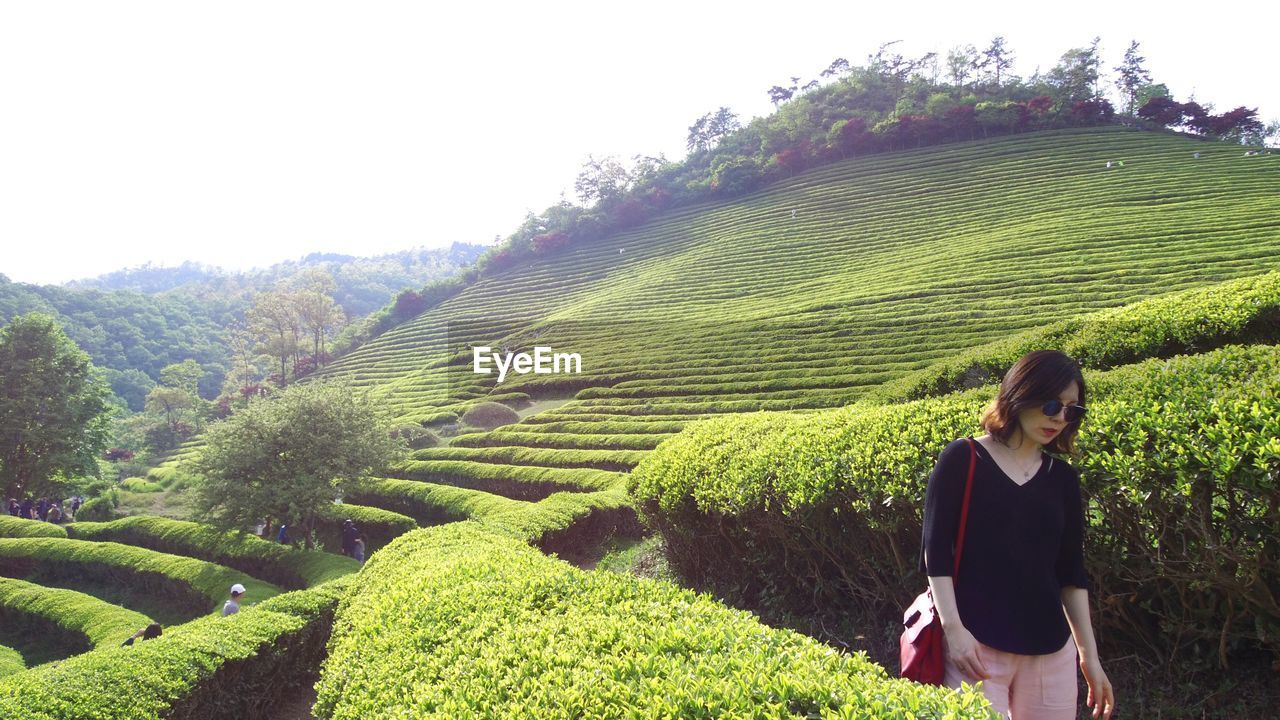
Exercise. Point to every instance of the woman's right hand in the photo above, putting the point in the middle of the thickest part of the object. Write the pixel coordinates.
(962, 650)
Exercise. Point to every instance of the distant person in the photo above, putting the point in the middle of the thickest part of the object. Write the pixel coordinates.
(349, 535)
(282, 537)
(147, 633)
(1015, 613)
(357, 550)
(15, 508)
(42, 508)
(26, 509)
(76, 502)
(55, 514)
(232, 606)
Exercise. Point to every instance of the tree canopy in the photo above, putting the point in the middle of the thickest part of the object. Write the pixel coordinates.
(285, 457)
(53, 408)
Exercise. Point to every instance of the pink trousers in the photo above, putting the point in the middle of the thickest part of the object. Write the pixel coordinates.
(1026, 687)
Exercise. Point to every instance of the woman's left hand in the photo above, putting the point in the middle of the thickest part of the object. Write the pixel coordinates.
(1101, 697)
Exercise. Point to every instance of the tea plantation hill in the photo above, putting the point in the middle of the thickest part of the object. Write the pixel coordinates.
(876, 280)
(890, 263)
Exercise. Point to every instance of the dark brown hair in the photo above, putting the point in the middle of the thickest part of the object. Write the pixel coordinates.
(1035, 379)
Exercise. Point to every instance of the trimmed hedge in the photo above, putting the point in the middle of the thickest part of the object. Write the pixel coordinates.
(490, 415)
(195, 585)
(140, 485)
(11, 661)
(428, 503)
(1180, 465)
(13, 527)
(1240, 311)
(284, 566)
(89, 621)
(101, 508)
(521, 482)
(570, 524)
(378, 527)
(455, 621)
(212, 668)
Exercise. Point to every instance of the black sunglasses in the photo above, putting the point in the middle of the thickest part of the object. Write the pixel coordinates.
(1053, 407)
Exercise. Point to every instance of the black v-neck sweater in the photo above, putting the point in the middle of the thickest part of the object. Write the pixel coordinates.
(1023, 544)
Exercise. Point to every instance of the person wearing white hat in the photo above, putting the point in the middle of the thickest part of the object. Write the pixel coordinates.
(232, 606)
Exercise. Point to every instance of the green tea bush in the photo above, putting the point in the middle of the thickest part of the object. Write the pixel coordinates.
(1240, 311)
(490, 415)
(90, 622)
(14, 527)
(458, 622)
(428, 503)
(415, 436)
(10, 661)
(263, 559)
(193, 585)
(1180, 463)
(616, 460)
(101, 508)
(378, 527)
(140, 485)
(521, 482)
(212, 668)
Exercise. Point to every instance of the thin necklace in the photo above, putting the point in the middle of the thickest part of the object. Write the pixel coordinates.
(1026, 473)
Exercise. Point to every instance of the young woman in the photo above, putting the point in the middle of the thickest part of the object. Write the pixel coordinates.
(1017, 615)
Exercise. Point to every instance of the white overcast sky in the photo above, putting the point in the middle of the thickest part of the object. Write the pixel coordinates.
(244, 133)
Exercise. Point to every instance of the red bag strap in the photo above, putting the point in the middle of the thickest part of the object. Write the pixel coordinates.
(964, 508)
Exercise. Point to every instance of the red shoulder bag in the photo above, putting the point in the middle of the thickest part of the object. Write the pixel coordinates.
(920, 646)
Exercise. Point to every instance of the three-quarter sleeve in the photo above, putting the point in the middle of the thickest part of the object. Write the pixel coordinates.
(1070, 565)
(942, 501)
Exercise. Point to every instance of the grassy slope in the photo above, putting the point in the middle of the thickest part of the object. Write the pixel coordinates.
(890, 262)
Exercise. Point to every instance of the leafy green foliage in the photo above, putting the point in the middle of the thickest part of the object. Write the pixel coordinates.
(194, 585)
(455, 621)
(210, 668)
(826, 508)
(286, 458)
(1240, 311)
(10, 661)
(270, 561)
(489, 415)
(53, 410)
(96, 622)
(13, 527)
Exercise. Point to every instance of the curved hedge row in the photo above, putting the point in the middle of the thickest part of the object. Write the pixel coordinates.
(13, 527)
(1180, 464)
(211, 668)
(571, 524)
(428, 503)
(197, 585)
(91, 621)
(263, 559)
(377, 526)
(1240, 311)
(455, 621)
(521, 482)
(10, 661)
(618, 460)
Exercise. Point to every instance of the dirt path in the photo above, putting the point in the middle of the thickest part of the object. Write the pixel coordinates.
(297, 706)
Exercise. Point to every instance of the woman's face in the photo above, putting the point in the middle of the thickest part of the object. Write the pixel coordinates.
(1041, 428)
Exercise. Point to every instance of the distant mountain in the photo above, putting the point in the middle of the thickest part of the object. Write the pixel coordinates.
(134, 322)
(364, 283)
